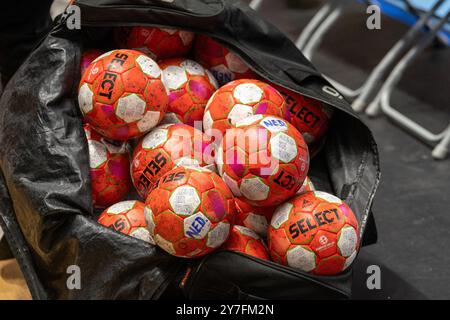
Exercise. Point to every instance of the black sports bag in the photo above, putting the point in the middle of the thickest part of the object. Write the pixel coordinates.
(45, 196)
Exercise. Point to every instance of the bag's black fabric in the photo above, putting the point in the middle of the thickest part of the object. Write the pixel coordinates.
(22, 25)
(46, 207)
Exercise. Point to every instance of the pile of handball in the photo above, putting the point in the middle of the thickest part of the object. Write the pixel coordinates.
(192, 151)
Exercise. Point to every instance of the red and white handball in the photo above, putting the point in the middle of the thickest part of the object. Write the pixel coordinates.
(315, 232)
(253, 217)
(240, 99)
(224, 64)
(306, 186)
(121, 94)
(258, 218)
(127, 217)
(190, 87)
(245, 240)
(158, 43)
(311, 117)
(163, 149)
(109, 163)
(190, 212)
(264, 160)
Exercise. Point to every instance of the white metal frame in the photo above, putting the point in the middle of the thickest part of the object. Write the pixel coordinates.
(367, 97)
(324, 19)
(442, 139)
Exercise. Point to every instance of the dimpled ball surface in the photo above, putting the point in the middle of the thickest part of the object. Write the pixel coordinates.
(264, 160)
(306, 186)
(128, 218)
(121, 94)
(190, 212)
(252, 217)
(163, 149)
(240, 99)
(224, 64)
(190, 87)
(314, 232)
(156, 42)
(311, 117)
(109, 163)
(245, 240)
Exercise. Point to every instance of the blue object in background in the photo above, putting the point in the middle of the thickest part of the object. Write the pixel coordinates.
(398, 9)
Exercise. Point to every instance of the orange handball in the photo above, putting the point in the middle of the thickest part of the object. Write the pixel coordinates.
(264, 160)
(190, 87)
(311, 117)
(238, 100)
(190, 212)
(109, 163)
(224, 64)
(315, 232)
(306, 186)
(165, 148)
(127, 217)
(121, 94)
(244, 240)
(158, 43)
(255, 218)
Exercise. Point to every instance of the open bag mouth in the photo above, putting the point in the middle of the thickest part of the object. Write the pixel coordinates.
(47, 213)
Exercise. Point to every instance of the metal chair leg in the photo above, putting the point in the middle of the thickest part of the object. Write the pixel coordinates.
(337, 8)
(385, 94)
(313, 33)
(372, 83)
(442, 149)
(313, 25)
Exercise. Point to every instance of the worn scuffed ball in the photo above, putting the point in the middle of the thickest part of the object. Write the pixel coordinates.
(315, 232)
(253, 217)
(163, 149)
(264, 160)
(311, 117)
(245, 240)
(109, 163)
(224, 64)
(190, 212)
(121, 94)
(306, 186)
(158, 43)
(238, 100)
(190, 87)
(127, 217)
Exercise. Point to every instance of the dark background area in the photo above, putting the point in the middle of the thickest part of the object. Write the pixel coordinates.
(411, 207)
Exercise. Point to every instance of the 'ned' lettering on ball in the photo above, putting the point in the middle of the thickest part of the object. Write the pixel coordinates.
(303, 226)
(274, 123)
(196, 227)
